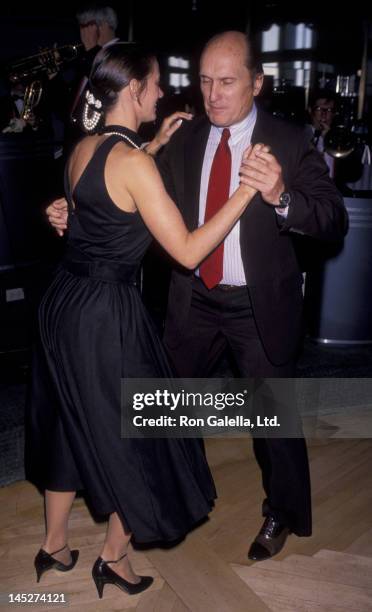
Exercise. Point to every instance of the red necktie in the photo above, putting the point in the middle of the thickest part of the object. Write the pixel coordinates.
(211, 270)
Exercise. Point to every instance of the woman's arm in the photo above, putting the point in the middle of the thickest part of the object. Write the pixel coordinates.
(164, 220)
(169, 126)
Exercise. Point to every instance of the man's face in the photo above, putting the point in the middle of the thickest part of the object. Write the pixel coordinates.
(227, 85)
(322, 114)
(89, 34)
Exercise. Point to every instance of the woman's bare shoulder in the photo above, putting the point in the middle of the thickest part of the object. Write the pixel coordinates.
(124, 157)
(86, 146)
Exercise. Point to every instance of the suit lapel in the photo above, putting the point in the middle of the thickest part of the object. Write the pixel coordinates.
(265, 132)
(259, 132)
(247, 220)
(194, 151)
(258, 135)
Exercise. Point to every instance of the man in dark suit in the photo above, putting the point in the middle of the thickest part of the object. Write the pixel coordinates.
(247, 299)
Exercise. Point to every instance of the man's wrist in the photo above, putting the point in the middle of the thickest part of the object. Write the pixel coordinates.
(284, 200)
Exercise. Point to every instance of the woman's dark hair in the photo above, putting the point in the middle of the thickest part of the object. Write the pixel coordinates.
(112, 70)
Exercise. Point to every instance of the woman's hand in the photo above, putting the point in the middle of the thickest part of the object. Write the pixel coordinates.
(169, 126)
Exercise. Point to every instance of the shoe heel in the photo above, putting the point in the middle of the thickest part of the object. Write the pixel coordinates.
(40, 568)
(100, 583)
(45, 561)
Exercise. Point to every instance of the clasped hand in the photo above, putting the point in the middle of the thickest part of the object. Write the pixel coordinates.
(261, 171)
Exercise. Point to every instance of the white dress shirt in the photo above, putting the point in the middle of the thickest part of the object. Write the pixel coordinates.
(329, 160)
(240, 139)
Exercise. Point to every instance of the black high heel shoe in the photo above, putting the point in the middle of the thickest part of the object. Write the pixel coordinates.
(45, 561)
(103, 574)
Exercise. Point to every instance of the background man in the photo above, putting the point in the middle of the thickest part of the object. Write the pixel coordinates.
(322, 111)
(98, 25)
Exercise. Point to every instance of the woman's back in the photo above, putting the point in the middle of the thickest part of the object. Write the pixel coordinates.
(98, 227)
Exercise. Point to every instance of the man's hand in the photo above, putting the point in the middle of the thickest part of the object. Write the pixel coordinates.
(49, 59)
(325, 127)
(57, 214)
(264, 173)
(250, 153)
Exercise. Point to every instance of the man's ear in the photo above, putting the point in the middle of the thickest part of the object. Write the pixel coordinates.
(258, 82)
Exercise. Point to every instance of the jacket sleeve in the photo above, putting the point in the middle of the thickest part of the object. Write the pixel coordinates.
(317, 208)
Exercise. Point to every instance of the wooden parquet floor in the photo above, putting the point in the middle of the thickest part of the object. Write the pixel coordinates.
(209, 571)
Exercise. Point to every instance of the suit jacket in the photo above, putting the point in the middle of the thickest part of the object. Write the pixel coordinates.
(273, 275)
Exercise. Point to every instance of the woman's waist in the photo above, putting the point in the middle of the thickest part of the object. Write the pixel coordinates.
(81, 263)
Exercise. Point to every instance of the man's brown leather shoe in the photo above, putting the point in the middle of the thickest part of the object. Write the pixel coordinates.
(270, 540)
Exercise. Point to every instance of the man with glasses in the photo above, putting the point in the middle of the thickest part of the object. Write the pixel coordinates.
(322, 110)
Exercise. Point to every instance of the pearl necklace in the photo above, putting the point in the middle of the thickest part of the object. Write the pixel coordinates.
(113, 133)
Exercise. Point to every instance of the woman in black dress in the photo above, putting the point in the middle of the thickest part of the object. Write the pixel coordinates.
(95, 331)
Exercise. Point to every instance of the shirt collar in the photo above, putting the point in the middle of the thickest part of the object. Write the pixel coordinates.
(238, 130)
(110, 42)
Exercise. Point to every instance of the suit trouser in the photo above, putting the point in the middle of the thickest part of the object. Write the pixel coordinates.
(221, 321)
